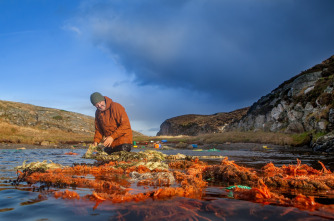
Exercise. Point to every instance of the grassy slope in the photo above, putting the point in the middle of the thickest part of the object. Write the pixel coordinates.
(236, 137)
(15, 134)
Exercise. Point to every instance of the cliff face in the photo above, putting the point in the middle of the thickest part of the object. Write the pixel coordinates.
(27, 115)
(193, 125)
(303, 103)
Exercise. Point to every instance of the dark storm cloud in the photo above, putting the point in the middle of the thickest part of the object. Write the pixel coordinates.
(232, 50)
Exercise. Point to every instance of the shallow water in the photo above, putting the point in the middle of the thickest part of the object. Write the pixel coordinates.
(21, 203)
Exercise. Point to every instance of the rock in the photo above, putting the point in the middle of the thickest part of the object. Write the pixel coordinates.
(308, 89)
(276, 112)
(178, 156)
(259, 121)
(45, 143)
(331, 116)
(190, 147)
(166, 147)
(322, 125)
(160, 178)
(295, 127)
(181, 145)
(330, 125)
(324, 143)
(304, 81)
(39, 166)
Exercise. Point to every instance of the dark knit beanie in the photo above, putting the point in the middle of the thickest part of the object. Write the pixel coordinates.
(96, 98)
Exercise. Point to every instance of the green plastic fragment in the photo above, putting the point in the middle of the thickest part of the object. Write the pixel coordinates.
(239, 186)
(230, 194)
(213, 149)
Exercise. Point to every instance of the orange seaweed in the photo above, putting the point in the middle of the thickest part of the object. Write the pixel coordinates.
(111, 182)
(71, 153)
(299, 176)
(67, 194)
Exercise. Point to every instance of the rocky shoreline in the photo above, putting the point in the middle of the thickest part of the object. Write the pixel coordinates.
(226, 146)
(324, 143)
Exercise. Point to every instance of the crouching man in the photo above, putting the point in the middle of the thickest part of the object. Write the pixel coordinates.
(112, 125)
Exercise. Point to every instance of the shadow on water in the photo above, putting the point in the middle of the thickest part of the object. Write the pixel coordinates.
(21, 203)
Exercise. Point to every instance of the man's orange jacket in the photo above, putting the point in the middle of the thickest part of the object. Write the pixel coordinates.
(113, 122)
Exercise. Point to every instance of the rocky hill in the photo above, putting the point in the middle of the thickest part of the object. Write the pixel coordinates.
(193, 124)
(302, 104)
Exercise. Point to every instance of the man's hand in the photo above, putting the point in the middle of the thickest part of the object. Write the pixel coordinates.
(95, 144)
(108, 141)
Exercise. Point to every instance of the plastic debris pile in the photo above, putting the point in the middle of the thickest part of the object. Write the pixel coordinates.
(230, 172)
(39, 166)
(299, 176)
(132, 177)
(112, 179)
